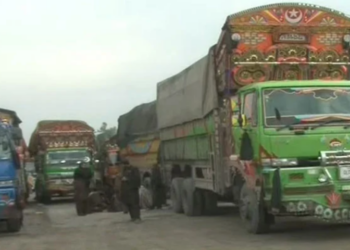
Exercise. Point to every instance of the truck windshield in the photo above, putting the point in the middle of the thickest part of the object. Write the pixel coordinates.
(66, 157)
(5, 150)
(300, 103)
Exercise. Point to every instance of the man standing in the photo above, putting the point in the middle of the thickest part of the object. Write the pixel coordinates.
(158, 188)
(131, 182)
(82, 178)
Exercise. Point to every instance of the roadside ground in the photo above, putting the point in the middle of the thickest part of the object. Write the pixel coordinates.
(56, 226)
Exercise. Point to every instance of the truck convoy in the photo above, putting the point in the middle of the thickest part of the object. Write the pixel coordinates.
(262, 120)
(57, 146)
(13, 185)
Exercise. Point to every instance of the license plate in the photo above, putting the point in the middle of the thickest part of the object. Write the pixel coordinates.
(55, 187)
(344, 172)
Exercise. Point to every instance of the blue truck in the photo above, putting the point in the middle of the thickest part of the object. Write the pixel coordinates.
(12, 200)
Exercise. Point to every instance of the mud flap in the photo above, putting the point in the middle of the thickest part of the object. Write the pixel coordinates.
(276, 197)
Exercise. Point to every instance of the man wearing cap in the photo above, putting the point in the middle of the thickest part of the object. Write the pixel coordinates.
(131, 182)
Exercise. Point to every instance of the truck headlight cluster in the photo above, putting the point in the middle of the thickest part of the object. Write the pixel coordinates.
(322, 178)
(7, 183)
(284, 162)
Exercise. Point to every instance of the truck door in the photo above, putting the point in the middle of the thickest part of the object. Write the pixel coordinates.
(249, 133)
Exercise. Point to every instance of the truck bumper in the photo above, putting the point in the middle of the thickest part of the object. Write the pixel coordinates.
(9, 207)
(9, 212)
(318, 191)
(61, 189)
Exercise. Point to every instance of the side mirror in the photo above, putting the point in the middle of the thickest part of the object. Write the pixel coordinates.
(242, 120)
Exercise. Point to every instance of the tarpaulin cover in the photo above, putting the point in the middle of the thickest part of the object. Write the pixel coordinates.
(103, 136)
(189, 95)
(139, 121)
(12, 114)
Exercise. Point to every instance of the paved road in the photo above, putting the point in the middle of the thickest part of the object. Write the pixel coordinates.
(57, 227)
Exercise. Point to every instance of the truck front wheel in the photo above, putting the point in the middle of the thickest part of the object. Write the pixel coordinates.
(14, 225)
(176, 198)
(252, 211)
(192, 198)
(46, 199)
(210, 203)
(41, 195)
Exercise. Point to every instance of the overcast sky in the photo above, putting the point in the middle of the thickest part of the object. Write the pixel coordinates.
(95, 60)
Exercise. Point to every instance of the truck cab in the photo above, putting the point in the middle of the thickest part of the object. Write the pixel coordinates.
(55, 169)
(57, 146)
(292, 142)
(11, 195)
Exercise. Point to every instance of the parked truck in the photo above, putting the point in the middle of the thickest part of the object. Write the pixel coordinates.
(109, 168)
(263, 119)
(12, 188)
(138, 140)
(11, 118)
(107, 154)
(57, 146)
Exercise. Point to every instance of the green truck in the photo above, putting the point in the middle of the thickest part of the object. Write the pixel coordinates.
(57, 147)
(263, 120)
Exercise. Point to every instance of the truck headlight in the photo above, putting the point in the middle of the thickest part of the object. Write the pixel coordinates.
(284, 162)
(7, 183)
(322, 178)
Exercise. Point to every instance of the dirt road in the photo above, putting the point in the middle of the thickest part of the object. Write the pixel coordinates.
(57, 227)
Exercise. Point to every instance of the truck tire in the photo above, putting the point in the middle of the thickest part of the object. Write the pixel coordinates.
(252, 211)
(46, 199)
(41, 195)
(210, 203)
(14, 225)
(176, 199)
(192, 198)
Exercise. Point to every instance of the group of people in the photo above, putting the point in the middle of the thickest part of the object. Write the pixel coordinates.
(86, 200)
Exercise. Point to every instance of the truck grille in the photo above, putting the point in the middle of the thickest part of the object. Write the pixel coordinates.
(331, 158)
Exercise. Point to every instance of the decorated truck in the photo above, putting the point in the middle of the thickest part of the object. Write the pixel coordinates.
(262, 120)
(11, 118)
(107, 154)
(57, 146)
(12, 195)
(138, 140)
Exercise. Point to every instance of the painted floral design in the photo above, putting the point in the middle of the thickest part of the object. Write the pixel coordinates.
(328, 21)
(257, 20)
